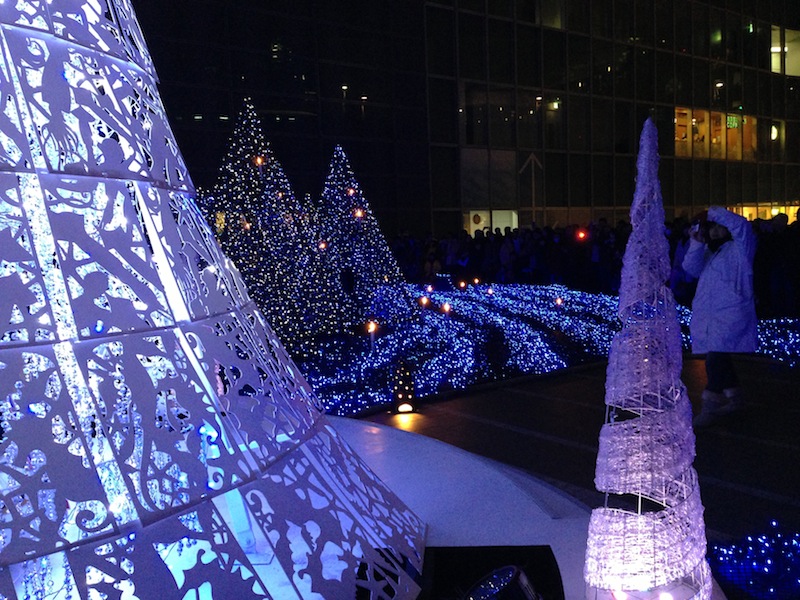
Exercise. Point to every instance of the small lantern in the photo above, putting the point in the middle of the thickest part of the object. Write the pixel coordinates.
(358, 213)
(403, 399)
(423, 300)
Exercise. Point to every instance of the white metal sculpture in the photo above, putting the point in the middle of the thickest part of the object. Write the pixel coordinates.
(648, 541)
(156, 441)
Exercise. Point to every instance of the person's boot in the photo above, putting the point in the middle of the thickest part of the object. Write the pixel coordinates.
(712, 408)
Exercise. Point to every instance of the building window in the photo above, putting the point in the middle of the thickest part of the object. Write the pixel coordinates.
(792, 48)
(490, 220)
(474, 116)
(683, 132)
(749, 138)
(553, 13)
(477, 220)
(554, 123)
(734, 136)
(776, 50)
(718, 135)
(502, 119)
(501, 219)
(701, 140)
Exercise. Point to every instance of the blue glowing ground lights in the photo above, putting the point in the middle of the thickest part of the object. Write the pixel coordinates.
(478, 332)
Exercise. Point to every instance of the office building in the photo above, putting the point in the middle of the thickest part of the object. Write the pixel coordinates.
(494, 113)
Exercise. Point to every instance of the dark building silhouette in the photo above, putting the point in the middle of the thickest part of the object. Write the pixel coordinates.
(493, 113)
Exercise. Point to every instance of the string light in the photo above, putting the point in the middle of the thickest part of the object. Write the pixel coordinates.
(534, 334)
(360, 260)
(762, 566)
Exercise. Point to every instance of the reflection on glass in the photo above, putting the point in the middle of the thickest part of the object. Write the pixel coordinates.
(529, 119)
(475, 117)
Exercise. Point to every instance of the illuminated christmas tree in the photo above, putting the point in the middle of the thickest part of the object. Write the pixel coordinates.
(238, 195)
(263, 228)
(156, 439)
(368, 273)
(648, 541)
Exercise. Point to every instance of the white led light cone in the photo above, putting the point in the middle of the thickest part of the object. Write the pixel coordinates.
(648, 541)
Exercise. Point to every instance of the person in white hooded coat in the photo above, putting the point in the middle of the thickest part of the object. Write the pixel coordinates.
(724, 321)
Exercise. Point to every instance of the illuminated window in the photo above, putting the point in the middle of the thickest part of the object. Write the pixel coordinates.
(488, 221)
(749, 137)
(733, 126)
(553, 13)
(683, 132)
(700, 134)
(505, 218)
(792, 49)
(477, 220)
(718, 134)
(776, 50)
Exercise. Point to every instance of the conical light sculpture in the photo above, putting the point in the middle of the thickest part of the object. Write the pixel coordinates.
(373, 284)
(155, 439)
(260, 226)
(648, 540)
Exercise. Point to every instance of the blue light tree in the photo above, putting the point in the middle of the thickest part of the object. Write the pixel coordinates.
(361, 260)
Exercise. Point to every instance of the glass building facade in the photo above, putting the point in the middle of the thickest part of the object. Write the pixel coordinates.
(550, 97)
(493, 113)
(319, 73)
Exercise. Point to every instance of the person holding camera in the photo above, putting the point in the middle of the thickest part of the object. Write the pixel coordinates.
(720, 255)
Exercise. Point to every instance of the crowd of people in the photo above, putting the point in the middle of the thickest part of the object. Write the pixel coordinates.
(590, 259)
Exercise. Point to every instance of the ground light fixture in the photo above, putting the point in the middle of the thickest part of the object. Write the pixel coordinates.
(403, 398)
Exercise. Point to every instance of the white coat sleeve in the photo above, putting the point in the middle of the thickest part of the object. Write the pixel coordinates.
(741, 229)
(695, 258)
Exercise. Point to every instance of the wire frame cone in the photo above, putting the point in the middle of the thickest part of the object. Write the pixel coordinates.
(156, 441)
(648, 540)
